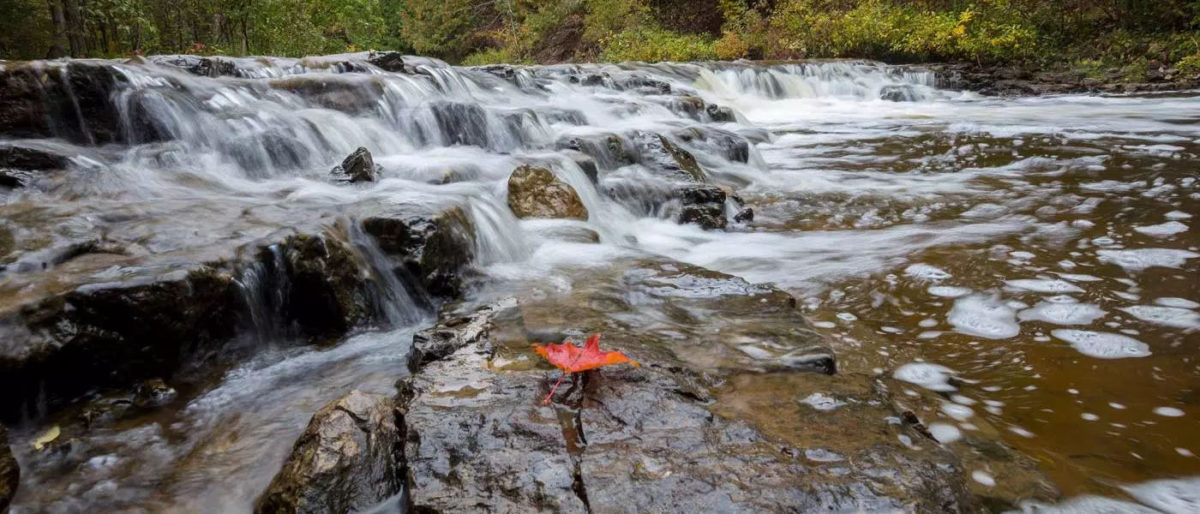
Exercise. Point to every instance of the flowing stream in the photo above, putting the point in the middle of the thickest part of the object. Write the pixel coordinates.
(1042, 251)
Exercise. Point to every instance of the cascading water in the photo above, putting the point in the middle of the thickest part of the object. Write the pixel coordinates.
(858, 174)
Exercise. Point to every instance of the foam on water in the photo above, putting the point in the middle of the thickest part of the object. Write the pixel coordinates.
(1044, 286)
(1059, 313)
(1175, 496)
(945, 433)
(949, 291)
(934, 377)
(1167, 229)
(1141, 259)
(1103, 345)
(1181, 303)
(926, 272)
(984, 316)
(1174, 317)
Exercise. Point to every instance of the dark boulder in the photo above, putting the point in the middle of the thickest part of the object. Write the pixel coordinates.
(198, 65)
(390, 61)
(703, 205)
(23, 157)
(351, 95)
(435, 247)
(72, 100)
(536, 193)
(359, 166)
(347, 460)
(10, 473)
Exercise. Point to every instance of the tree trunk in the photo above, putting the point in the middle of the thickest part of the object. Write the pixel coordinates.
(59, 47)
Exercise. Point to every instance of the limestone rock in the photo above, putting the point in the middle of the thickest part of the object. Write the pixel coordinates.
(346, 460)
(536, 193)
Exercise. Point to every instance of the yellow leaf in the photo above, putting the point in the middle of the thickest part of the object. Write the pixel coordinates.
(46, 438)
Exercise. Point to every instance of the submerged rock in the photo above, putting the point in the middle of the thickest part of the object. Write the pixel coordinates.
(73, 100)
(198, 65)
(345, 461)
(359, 166)
(10, 473)
(536, 193)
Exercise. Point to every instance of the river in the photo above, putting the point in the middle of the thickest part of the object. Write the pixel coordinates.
(1035, 259)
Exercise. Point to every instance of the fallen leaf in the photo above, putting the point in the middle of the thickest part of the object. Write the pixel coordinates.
(572, 359)
(46, 438)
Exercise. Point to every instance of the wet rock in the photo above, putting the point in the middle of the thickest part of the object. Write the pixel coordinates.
(459, 124)
(198, 65)
(351, 95)
(745, 215)
(648, 439)
(153, 321)
(586, 164)
(15, 155)
(658, 153)
(328, 292)
(359, 167)
(72, 100)
(104, 334)
(703, 205)
(435, 247)
(897, 93)
(10, 473)
(347, 460)
(153, 393)
(390, 61)
(729, 145)
(536, 193)
(719, 113)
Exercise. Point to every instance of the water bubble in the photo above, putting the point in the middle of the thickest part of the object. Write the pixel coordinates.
(983, 316)
(944, 433)
(934, 377)
(1170, 412)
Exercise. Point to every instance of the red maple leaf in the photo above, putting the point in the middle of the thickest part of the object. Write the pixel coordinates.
(571, 358)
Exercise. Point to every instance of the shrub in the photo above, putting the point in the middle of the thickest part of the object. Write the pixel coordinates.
(652, 44)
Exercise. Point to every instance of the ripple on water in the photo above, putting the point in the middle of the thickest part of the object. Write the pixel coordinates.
(1059, 313)
(984, 316)
(1103, 345)
(933, 377)
(1166, 316)
(1138, 260)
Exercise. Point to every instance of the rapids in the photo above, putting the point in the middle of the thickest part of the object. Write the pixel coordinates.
(1038, 258)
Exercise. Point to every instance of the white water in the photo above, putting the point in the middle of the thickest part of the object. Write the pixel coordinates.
(989, 208)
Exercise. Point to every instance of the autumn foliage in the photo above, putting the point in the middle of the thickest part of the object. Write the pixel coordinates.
(571, 359)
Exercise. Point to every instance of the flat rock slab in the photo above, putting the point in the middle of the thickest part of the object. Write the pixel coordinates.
(721, 433)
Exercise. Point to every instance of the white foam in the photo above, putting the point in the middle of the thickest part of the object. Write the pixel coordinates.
(944, 433)
(822, 402)
(983, 478)
(1177, 495)
(1059, 313)
(949, 291)
(1167, 229)
(1182, 303)
(1178, 215)
(1074, 277)
(983, 316)
(1103, 345)
(1138, 260)
(933, 377)
(1044, 286)
(1166, 316)
(926, 272)
(1170, 412)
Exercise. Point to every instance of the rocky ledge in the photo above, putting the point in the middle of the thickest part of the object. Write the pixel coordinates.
(744, 412)
(111, 313)
(1018, 80)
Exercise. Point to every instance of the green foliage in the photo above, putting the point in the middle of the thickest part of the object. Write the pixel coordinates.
(1110, 34)
(654, 44)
